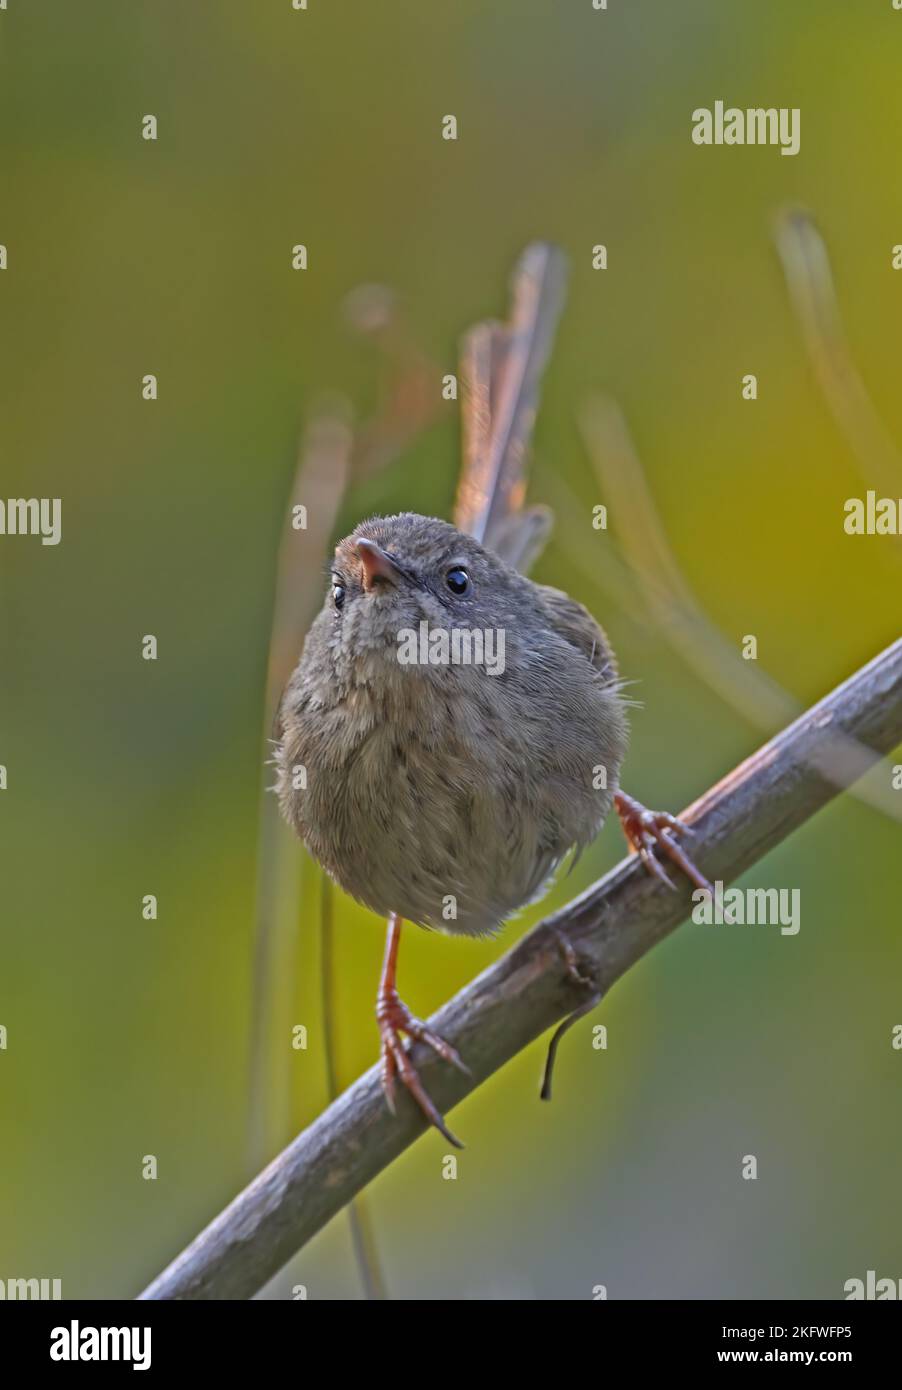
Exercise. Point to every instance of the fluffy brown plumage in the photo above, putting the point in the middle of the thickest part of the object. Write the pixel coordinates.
(443, 793)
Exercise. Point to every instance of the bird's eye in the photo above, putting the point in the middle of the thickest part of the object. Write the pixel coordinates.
(338, 592)
(458, 580)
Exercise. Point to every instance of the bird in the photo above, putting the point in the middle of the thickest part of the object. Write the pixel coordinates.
(447, 792)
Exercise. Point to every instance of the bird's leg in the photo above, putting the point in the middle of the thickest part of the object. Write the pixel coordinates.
(395, 1018)
(644, 829)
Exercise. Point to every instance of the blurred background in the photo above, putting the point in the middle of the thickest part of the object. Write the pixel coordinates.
(129, 1037)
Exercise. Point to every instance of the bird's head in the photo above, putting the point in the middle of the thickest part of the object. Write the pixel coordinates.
(394, 574)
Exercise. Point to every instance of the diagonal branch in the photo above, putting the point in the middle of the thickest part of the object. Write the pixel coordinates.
(609, 927)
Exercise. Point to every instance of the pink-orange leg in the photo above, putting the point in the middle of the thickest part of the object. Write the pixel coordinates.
(395, 1018)
(644, 829)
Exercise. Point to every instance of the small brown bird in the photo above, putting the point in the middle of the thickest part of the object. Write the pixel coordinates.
(461, 729)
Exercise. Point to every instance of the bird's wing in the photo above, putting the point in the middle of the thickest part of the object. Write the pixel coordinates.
(576, 625)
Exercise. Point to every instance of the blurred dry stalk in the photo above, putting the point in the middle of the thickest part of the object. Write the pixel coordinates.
(411, 392)
(601, 565)
(809, 279)
(608, 927)
(319, 485)
(656, 575)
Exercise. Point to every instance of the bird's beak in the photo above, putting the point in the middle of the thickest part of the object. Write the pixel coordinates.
(376, 565)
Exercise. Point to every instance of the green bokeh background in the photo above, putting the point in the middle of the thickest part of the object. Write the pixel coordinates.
(126, 777)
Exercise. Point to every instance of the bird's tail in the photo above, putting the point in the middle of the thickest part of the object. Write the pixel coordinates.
(501, 373)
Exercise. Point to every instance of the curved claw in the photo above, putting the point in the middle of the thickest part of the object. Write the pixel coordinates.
(394, 1019)
(652, 864)
(644, 828)
(444, 1049)
(671, 847)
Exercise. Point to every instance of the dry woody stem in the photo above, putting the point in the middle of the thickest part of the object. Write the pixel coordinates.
(533, 987)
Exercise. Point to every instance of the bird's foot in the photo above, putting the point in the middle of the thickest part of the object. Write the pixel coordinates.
(644, 829)
(395, 1018)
